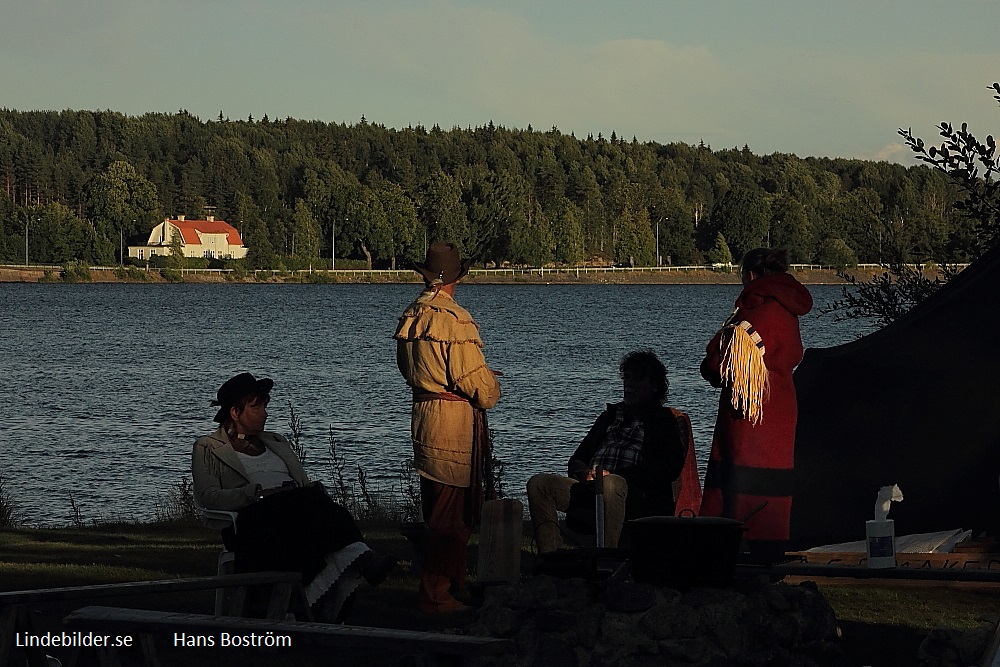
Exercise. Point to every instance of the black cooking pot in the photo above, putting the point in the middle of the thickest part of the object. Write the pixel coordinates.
(685, 551)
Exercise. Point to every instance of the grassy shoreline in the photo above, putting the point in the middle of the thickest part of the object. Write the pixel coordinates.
(882, 624)
(583, 276)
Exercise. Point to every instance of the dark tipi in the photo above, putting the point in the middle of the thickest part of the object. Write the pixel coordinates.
(917, 404)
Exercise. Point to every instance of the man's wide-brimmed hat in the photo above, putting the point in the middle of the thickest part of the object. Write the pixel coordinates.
(235, 388)
(443, 265)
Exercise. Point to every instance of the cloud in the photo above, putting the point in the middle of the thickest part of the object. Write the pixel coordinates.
(899, 153)
(460, 64)
(656, 73)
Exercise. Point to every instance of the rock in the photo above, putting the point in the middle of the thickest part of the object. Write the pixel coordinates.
(546, 592)
(699, 597)
(501, 621)
(954, 648)
(502, 596)
(775, 598)
(577, 623)
(785, 629)
(629, 596)
(553, 651)
(819, 622)
(550, 620)
(526, 644)
(588, 624)
(668, 596)
(694, 651)
(618, 630)
(576, 593)
(665, 621)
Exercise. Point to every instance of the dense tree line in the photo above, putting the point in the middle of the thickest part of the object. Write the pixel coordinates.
(81, 183)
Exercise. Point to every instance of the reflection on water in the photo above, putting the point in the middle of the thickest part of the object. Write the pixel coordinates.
(107, 386)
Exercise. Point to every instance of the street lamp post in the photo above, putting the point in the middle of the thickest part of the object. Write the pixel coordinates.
(657, 243)
(26, 241)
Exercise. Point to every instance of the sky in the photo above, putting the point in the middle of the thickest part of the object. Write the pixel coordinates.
(832, 78)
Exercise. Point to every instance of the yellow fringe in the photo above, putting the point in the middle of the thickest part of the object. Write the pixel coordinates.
(744, 372)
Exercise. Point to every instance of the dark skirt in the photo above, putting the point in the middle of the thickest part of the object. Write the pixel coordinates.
(291, 531)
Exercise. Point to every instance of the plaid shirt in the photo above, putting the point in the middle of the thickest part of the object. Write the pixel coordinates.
(622, 445)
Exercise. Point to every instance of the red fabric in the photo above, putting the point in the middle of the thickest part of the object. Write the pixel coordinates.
(772, 304)
(689, 497)
(447, 530)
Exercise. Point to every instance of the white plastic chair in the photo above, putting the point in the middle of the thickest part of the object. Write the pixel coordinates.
(226, 558)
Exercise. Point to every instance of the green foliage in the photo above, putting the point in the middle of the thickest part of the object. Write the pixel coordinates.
(743, 217)
(237, 274)
(442, 212)
(305, 233)
(176, 259)
(121, 201)
(132, 274)
(720, 253)
(10, 514)
(888, 295)
(791, 229)
(836, 253)
(172, 275)
(634, 240)
(568, 234)
(974, 167)
(76, 272)
(179, 504)
(80, 181)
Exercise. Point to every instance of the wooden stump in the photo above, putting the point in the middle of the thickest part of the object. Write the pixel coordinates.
(500, 541)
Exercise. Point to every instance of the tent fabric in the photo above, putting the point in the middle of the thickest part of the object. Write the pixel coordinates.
(917, 404)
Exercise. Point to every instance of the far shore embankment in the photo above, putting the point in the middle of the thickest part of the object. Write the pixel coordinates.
(693, 275)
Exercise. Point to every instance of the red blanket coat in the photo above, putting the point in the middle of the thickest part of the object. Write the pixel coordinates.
(749, 464)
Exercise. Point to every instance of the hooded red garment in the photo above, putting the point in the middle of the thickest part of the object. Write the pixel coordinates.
(753, 464)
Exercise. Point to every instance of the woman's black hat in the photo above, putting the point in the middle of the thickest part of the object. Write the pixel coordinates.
(235, 388)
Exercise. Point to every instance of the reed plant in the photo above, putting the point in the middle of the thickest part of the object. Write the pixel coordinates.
(10, 514)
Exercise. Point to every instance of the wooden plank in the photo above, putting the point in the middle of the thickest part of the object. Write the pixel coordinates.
(500, 541)
(147, 587)
(855, 572)
(145, 621)
(961, 561)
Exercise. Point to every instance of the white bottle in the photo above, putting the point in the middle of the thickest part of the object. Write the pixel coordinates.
(880, 543)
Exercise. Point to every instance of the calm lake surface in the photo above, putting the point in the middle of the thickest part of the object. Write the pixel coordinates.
(107, 386)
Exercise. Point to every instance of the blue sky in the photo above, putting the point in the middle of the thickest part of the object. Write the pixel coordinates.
(831, 78)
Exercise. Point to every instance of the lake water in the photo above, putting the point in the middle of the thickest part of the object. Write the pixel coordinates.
(107, 386)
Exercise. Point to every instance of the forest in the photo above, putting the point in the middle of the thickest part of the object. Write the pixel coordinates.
(82, 184)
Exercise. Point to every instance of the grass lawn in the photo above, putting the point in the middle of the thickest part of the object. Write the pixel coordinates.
(882, 625)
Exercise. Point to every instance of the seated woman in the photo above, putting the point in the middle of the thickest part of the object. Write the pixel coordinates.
(284, 522)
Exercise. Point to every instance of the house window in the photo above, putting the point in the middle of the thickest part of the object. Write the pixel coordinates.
(140, 253)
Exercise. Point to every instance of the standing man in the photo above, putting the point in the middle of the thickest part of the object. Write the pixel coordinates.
(439, 353)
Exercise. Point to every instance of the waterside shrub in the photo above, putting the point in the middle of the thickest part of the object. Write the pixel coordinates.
(172, 275)
(10, 515)
(76, 272)
(131, 274)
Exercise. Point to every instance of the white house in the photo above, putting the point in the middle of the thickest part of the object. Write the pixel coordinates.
(209, 238)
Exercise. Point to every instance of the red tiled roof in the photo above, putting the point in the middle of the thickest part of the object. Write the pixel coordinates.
(190, 228)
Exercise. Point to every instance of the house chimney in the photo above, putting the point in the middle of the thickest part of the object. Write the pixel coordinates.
(211, 218)
(180, 218)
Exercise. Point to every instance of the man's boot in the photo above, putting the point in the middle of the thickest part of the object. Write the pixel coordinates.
(548, 537)
(435, 597)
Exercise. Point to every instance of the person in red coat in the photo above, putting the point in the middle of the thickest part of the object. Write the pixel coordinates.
(753, 448)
